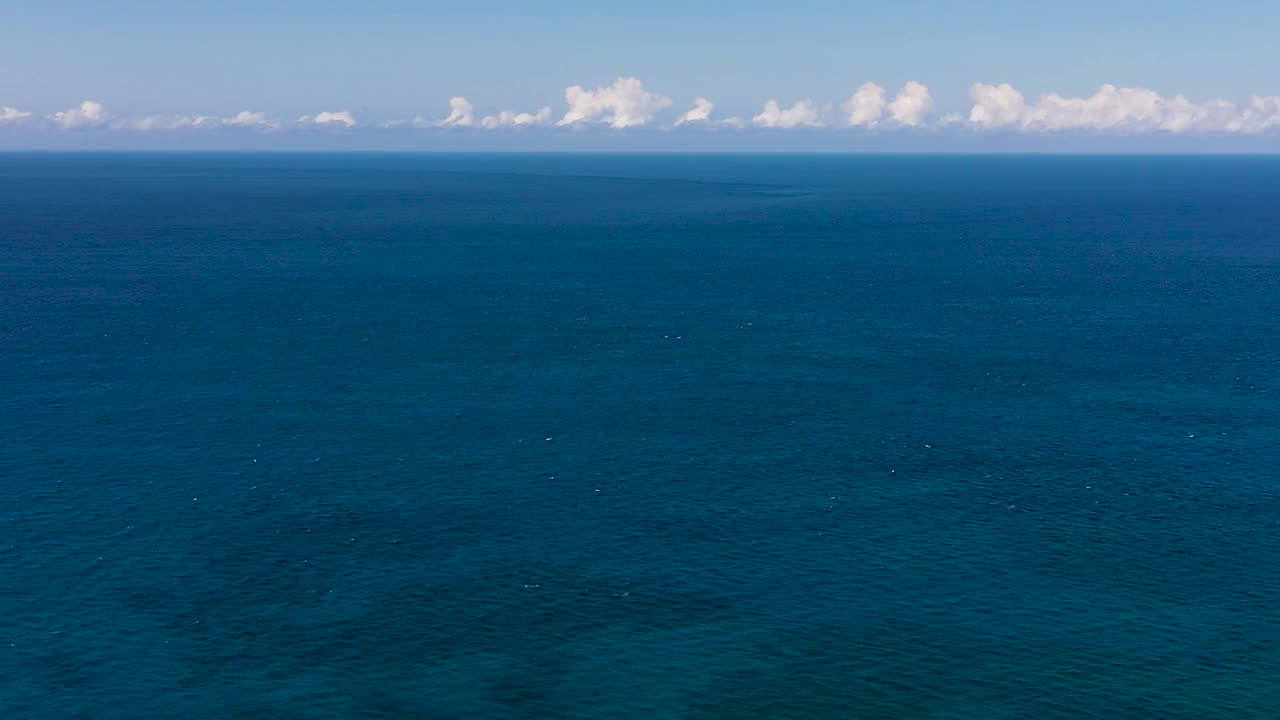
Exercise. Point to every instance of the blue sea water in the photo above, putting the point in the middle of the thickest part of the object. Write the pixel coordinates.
(544, 436)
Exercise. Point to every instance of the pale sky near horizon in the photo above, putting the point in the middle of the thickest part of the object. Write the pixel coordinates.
(183, 65)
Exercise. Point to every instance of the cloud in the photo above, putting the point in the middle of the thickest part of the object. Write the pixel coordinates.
(996, 105)
(461, 114)
(1117, 109)
(803, 114)
(912, 104)
(1108, 109)
(866, 105)
(172, 122)
(623, 104)
(626, 104)
(244, 118)
(1262, 113)
(87, 114)
(343, 118)
(8, 114)
(507, 118)
(700, 112)
(187, 122)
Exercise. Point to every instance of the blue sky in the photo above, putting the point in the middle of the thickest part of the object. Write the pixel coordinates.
(395, 60)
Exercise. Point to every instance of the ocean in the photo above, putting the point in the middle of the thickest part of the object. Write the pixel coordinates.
(307, 436)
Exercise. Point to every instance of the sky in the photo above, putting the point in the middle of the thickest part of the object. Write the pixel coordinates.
(512, 74)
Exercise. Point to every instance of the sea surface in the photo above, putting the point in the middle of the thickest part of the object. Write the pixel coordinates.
(309, 437)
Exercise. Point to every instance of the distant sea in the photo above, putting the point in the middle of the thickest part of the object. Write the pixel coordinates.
(706, 436)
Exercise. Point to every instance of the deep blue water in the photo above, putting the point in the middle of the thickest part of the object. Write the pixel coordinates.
(380, 436)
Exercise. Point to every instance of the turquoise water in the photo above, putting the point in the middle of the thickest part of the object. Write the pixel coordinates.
(396, 436)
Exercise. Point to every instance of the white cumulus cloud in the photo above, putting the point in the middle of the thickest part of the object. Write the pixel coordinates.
(1262, 113)
(507, 118)
(172, 122)
(87, 114)
(700, 112)
(626, 103)
(1108, 109)
(343, 118)
(802, 114)
(461, 114)
(1117, 109)
(996, 105)
(912, 104)
(623, 104)
(8, 114)
(866, 105)
(244, 118)
(186, 122)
